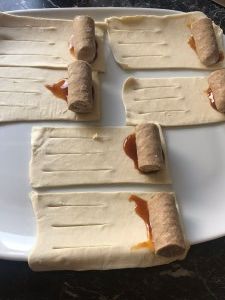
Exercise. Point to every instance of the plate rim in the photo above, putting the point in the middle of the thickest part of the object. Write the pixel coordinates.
(23, 256)
(113, 8)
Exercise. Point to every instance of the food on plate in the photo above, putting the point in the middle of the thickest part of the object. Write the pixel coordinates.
(43, 42)
(216, 82)
(107, 230)
(78, 89)
(144, 147)
(59, 89)
(80, 94)
(141, 209)
(71, 156)
(205, 41)
(25, 96)
(83, 39)
(161, 42)
(167, 232)
(177, 101)
(99, 231)
(149, 149)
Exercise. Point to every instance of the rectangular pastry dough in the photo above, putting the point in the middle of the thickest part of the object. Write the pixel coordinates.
(89, 231)
(86, 155)
(24, 97)
(169, 101)
(40, 42)
(156, 42)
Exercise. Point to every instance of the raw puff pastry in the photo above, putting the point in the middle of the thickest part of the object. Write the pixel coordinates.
(156, 42)
(33, 100)
(169, 101)
(39, 42)
(77, 156)
(89, 231)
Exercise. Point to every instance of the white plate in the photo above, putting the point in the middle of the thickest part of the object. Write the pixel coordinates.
(196, 157)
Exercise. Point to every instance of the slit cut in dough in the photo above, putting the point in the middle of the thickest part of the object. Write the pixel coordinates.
(90, 231)
(169, 101)
(157, 42)
(24, 97)
(74, 156)
(40, 42)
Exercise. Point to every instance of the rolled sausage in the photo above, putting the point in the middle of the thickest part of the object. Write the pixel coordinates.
(84, 38)
(205, 41)
(167, 233)
(216, 82)
(80, 98)
(149, 149)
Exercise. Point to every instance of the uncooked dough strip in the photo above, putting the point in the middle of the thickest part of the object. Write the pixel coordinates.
(163, 40)
(169, 101)
(80, 156)
(69, 238)
(24, 97)
(40, 42)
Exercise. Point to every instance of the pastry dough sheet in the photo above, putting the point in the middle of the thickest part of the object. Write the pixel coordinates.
(89, 231)
(24, 97)
(169, 101)
(73, 156)
(39, 42)
(157, 42)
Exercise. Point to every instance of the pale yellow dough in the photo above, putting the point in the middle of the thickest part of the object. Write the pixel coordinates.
(157, 42)
(24, 97)
(169, 101)
(77, 156)
(89, 231)
(39, 42)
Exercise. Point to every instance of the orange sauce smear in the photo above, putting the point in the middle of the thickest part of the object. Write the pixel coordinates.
(59, 89)
(142, 211)
(72, 51)
(221, 56)
(130, 148)
(211, 99)
(191, 43)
